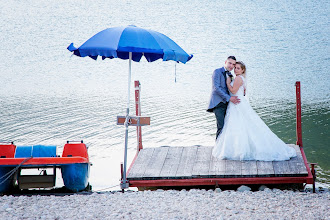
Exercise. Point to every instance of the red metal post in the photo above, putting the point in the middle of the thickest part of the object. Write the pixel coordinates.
(138, 113)
(298, 107)
(314, 175)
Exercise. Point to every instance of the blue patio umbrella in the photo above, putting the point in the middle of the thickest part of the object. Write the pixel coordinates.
(131, 43)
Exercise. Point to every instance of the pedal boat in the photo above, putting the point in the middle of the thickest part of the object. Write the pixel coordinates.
(74, 164)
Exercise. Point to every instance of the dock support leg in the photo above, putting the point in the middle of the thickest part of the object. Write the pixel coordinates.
(122, 175)
(124, 182)
(314, 175)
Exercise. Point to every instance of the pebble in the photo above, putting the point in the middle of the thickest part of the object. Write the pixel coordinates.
(262, 188)
(171, 204)
(243, 188)
(217, 190)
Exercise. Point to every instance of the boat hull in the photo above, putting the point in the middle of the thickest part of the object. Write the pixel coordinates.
(6, 184)
(75, 176)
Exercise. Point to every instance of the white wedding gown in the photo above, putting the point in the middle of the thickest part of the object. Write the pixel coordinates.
(246, 137)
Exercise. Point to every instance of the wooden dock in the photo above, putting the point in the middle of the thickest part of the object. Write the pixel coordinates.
(195, 166)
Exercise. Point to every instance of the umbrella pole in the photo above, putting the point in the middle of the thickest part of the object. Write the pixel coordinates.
(124, 183)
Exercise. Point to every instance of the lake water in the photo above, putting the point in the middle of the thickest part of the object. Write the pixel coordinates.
(48, 96)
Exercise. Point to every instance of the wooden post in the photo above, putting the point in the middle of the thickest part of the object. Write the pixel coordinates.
(138, 113)
(298, 108)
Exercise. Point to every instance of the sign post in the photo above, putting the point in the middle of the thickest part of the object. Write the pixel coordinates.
(132, 121)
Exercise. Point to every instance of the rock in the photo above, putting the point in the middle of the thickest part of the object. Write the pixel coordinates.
(243, 188)
(277, 191)
(217, 190)
(9, 209)
(195, 204)
(267, 190)
(262, 188)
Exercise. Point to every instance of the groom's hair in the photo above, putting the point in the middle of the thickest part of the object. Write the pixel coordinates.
(231, 57)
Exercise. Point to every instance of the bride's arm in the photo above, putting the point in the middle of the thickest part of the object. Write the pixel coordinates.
(237, 83)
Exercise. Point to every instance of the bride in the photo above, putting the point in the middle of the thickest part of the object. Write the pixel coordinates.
(244, 135)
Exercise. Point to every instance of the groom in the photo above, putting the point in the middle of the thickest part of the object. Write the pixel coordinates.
(220, 94)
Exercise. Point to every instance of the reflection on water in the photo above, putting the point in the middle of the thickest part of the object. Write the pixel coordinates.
(48, 96)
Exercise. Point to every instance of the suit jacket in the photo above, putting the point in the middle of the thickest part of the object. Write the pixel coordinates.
(220, 91)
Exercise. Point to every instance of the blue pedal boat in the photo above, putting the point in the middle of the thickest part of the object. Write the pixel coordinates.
(74, 164)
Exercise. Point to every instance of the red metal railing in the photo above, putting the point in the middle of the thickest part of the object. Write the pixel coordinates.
(138, 113)
(311, 173)
(298, 107)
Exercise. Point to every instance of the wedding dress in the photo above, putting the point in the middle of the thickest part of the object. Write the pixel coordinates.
(246, 137)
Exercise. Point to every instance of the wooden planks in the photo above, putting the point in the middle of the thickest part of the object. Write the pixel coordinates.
(297, 163)
(171, 163)
(217, 168)
(140, 165)
(281, 168)
(265, 168)
(156, 163)
(186, 162)
(233, 168)
(198, 162)
(249, 168)
(202, 162)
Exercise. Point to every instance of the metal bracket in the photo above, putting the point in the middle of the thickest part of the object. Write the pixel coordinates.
(133, 120)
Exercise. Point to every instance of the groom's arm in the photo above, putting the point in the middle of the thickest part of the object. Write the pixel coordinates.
(220, 90)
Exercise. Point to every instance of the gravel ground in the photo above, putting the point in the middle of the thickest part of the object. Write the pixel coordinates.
(170, 204)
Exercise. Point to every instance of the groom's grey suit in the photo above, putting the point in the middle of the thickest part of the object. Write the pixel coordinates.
(219, 97)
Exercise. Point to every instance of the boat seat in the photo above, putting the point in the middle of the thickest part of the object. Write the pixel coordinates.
(7, 150)
(74, 150)
(35, 151)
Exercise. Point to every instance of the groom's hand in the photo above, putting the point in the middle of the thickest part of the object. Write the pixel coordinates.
(234, 99)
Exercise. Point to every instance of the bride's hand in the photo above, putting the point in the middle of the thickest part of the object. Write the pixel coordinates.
(228, 80)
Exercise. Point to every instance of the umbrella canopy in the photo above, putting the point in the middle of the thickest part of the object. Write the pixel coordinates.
(130, 43)
(117, 42)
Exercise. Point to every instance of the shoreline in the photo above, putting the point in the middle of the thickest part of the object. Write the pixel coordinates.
(170, 204)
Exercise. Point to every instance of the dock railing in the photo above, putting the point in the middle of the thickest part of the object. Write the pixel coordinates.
(299, 142)
(138, 113)
(298, 115)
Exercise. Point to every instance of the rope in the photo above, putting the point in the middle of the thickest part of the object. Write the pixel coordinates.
(11, 172)
(175, 72)
(107, 188)
(127, 120)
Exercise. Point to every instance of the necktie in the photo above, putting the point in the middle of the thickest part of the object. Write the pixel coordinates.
(229, 73)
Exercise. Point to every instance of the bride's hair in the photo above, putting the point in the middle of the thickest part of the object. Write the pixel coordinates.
(243, 67)
(243, 74)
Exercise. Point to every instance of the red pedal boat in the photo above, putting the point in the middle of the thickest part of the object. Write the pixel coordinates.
(74, 164)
